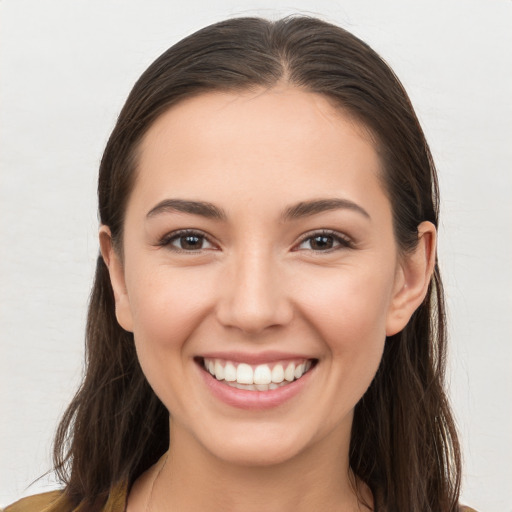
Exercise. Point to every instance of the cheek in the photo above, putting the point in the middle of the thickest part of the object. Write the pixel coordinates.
(348, 306)
(348, 314)
(167, 304)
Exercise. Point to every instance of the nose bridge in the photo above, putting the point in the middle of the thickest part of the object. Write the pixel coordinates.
(254, 297)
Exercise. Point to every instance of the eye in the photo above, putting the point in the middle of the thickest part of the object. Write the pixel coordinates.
(325, 241)
(186, 240)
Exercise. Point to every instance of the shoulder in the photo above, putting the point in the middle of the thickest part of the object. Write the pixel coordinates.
(38, 503)
(56, 501)
(463, 508)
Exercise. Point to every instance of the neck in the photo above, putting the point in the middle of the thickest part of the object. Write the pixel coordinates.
(190, 478)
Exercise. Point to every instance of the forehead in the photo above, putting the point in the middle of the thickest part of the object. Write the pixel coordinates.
(219, 116)
(281, 139)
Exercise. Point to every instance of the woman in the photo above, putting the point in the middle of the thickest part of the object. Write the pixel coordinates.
(266, 328)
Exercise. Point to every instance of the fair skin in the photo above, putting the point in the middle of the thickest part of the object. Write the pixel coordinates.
(253, 285)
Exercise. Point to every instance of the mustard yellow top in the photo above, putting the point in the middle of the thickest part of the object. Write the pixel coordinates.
(55, 501)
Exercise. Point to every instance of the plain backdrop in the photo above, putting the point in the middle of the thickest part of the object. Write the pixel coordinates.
(66, 68)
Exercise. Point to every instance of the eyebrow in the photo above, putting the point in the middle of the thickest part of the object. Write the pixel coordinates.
(294, 212)
(309, 208)
(201, 208)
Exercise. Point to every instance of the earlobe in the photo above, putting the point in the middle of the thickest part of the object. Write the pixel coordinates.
(413, 279)
(116, 271)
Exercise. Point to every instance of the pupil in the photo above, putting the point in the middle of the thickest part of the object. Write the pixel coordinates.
(322, 242)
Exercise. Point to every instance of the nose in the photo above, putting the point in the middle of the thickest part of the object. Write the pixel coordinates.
(253, 296)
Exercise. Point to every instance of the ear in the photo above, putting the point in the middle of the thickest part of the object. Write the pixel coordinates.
(412, 279)
(116, 272)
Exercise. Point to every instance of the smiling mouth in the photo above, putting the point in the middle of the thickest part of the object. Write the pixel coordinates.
(261, 377)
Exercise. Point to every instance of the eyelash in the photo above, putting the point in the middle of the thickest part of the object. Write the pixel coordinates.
(342, 240)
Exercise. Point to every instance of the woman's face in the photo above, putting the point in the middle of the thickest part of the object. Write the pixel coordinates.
(258, 243)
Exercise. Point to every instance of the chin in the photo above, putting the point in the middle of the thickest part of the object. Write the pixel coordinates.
(258, 445)
(256, 454)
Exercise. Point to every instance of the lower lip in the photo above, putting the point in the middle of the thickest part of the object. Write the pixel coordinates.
(254, 400)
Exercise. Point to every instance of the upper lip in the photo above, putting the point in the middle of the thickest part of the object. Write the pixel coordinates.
(270, 356)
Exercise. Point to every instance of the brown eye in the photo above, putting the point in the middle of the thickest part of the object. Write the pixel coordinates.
(190, 242)
(319, 243)
(186, 241)
(325, 241)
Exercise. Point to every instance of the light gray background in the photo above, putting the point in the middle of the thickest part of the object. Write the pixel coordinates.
(66, 68)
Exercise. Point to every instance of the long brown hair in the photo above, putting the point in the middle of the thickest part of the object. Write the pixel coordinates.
(404, 443)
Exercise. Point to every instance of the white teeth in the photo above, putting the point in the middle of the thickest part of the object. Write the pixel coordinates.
(230, 372)
(277, 374)
(244, 374)
(261, 378)
(289, 373)
(256, 387)
(299, 371)
(219, 371)
(262, 374)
